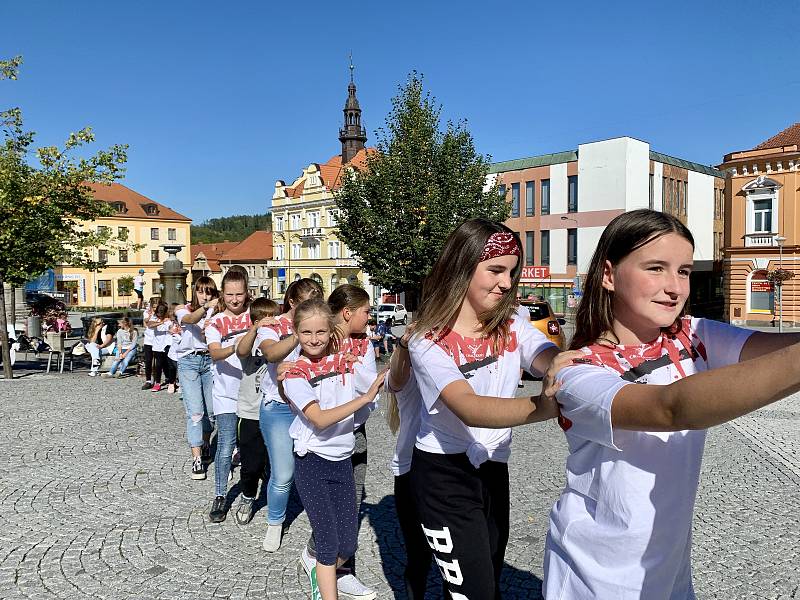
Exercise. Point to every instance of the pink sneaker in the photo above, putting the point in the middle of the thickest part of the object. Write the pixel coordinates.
(156, 387)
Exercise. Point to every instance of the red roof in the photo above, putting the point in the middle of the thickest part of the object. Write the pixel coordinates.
(331, 172)
(256, 247)
(788, 137)
(212, 252)
(135, 205)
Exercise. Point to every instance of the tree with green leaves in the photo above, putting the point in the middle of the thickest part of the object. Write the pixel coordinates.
(415, 188)
(45, 202)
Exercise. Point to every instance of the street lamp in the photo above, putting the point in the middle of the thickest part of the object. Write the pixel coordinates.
(576, 282)
(779, 239)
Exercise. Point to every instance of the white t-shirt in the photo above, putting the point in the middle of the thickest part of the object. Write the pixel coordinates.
(176, 338)
(138, 283)
(365, 370)
(193, 337)
(439, 360)
(162, 336)
(224, 329)
(149, 334)
(622, 526)
(409, 404)
(329, 381)
(281, 330)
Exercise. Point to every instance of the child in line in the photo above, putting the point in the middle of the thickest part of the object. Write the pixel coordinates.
(194, 371)
(278, 343)
(230, 321)
(172, 351)
(403, 415)
(252, 450)
(321, 388)
(126, 348)
(149, 335)
(161, 324)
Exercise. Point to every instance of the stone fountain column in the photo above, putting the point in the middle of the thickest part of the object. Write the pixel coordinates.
(173, 276)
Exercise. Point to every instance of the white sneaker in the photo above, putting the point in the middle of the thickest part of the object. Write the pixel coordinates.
(308, 561)
(272, 541)
(350, 585)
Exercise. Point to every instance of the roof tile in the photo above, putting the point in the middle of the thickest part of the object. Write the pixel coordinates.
(788, 137)
(134, 202)
(256, 247)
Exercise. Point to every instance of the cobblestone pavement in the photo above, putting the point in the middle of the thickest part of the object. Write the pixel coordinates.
(96, 502)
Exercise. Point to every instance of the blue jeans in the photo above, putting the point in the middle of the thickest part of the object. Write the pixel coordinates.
(122, 364)
(274, 420)
(197, 383)
(226, 442)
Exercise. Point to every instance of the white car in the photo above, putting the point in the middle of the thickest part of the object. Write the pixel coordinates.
(396, 311)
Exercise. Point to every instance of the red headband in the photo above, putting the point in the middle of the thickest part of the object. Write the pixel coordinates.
(499, 244)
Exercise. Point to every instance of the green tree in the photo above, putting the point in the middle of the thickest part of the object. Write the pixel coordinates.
(232, 229)
(419, 184)
(125, 285)
(44, 200)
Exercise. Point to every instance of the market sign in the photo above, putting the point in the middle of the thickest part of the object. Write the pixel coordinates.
(534, 273)
(760, 286)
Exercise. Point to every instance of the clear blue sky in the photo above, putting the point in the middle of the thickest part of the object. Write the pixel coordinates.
(218, 100)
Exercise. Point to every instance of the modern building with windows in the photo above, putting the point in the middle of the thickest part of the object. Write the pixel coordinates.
(762, 230)
(304, 235)
(139, 220)
(561, 203)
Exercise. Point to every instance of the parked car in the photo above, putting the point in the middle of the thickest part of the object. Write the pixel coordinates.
(396, 311)
(544, 319)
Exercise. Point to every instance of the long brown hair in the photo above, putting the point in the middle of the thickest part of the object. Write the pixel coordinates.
(299, 288)
(318, 306)
(206, 285)
(446, 285)
(233, 276)
(349, 296)
(624, 234)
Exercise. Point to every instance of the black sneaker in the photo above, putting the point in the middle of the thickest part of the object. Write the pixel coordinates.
(147, 385)
(217, 514)
(198, 470)
(244, 512)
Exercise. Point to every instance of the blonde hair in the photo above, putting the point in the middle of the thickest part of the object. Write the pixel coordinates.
(445, 287)
(317, 306)
(95, 326)
(392, 412)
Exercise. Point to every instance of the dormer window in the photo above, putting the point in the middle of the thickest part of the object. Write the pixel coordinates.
(150, 209)
(119, 207)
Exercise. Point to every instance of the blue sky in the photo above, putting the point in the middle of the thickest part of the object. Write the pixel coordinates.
(218, 101)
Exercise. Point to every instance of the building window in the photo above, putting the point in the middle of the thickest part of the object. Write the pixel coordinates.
(572, 246)
(529, 237)
(762, 216)
(278, 223)
(544, 257)
(104, 288)
(515, 199)
(313, 250)
(572, 193)
(154, 233)
(502, 191)
(685, 198)
(333, 249)
(153, 255)
(123, 256)
(121, 291)
(762, 294)
(103, 230)
(313, 219)
(530, 198)
(102, 256)
(545, 197)
(295, 221)
(279, 252)
(651, 197)
(150, 209)
(156, 283)
(296, 250)
(172, 234)
(331, 218)
(122, 233)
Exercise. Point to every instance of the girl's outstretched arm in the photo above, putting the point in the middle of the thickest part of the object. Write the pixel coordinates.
(322, 419)
(709, 398)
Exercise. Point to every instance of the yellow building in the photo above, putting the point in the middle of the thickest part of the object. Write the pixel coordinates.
(140, 220)
(304, 241)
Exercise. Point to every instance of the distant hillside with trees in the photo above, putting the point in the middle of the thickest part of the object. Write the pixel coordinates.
(233, 229)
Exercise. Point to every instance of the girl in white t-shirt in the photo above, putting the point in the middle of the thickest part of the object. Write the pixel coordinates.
(160, 324)
(194, 372)
(467, 350)
(278, 343)
(149, 335)
(321, 388)
(622, 526)
(230, 321)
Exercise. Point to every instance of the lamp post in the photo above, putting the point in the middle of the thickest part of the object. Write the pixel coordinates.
(577, 276)
(779, 239)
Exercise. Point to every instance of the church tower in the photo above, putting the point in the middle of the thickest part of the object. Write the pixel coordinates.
(353, 136)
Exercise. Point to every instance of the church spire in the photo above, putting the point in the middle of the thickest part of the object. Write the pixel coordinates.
(352, 136)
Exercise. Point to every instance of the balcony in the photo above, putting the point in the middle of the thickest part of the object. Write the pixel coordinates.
(275, 264)
(346, 262)
(311, 233)
(759, 240)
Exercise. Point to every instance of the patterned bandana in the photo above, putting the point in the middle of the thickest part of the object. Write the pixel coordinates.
(499, 244)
